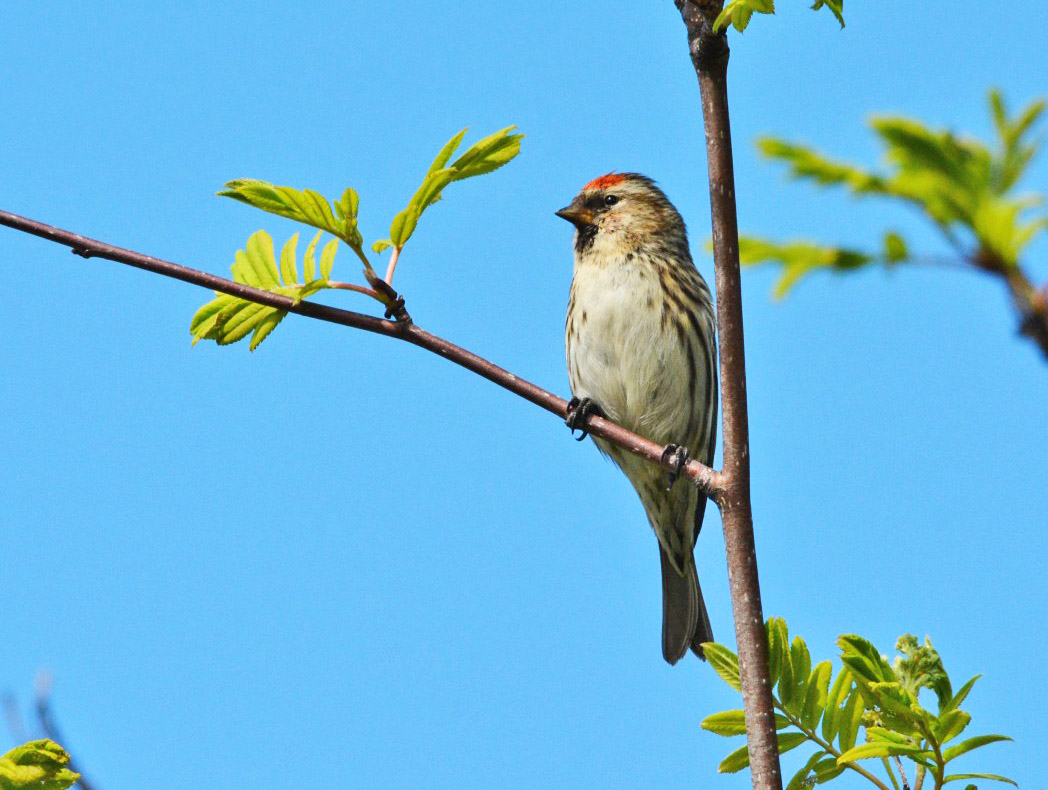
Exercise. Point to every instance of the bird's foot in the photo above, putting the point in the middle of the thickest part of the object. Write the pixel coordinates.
(678, 455)
(579, 409)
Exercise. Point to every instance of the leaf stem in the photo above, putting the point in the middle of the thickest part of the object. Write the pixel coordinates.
(393, 256)
(360, 289)
(827, 747)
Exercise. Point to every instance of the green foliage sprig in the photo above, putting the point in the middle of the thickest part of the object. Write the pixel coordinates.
(227, 319)
(38, 765)
(738, 12)
(868, 694)
(965, 187)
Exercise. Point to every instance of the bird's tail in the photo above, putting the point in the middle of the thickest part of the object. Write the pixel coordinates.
(685, 622)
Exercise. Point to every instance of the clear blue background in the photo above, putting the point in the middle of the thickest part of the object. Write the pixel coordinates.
(343, 562)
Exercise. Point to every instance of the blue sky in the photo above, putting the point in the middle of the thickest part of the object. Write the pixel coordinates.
(341, 561)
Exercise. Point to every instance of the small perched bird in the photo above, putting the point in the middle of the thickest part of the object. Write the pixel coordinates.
(640, 351)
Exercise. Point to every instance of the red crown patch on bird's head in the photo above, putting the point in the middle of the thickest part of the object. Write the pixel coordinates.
(606, 182)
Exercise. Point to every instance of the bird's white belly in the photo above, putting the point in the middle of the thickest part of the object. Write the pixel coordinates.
(624, 356)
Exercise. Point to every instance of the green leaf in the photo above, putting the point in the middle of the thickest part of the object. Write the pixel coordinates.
(327, 258)
(740, 758)
(266, 325)
(445, 153)
(827, 769)
(994, 777)
(972, 743)
(799, 780)
(482, 157)
(882, 749)
(895, 249)
(725, 663)
(288, 256)
(834, 702)
(961, 695)
(798, 258)
(800, 664)
(309, 266)
(738, 13)
(37, 765)
(381, 245)
(778, 641)
(950, 724)
(862, 658)
(735, 762)
(488, 154)
(849, 719)
(305, 205)
(729, 722)
(836, 6)
(227, 319)
(815, 697)
(790, 740)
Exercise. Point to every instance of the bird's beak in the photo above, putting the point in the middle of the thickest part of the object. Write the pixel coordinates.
(576, 216)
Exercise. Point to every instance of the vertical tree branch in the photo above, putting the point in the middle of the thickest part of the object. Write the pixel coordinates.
(709, 55)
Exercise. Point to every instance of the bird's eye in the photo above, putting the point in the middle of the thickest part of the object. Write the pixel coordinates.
(611, 200)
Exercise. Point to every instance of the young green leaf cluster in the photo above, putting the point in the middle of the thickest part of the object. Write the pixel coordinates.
(738, 12)
(963, 186)
(228, 319)
(38, 765)
(867, 694)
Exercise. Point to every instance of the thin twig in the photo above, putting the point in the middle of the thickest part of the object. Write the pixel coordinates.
(709, 56)
(707, 480)
(902, 773)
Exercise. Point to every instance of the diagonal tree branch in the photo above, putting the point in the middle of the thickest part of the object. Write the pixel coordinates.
(709, 56)
(707, 480)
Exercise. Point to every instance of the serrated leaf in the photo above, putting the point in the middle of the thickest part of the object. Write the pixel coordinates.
(786, 679)
(961, 695)
(301, 205)
(882, 749)
(266, 324)
(800, 664)
(488, 154)
(993, 777)
(790, 740)
(740, 758)
(836, 6)
(441, 160)
(951, 724)
(37, 765)
(849, 719)
(309, 266)
(725, 663)
(778, 636)
(327, 258)
(815, 696)
(827, 769)
(738, 12)
(862, 658)
(735, 762)
(729, 722)
(835, 699)
(288, 257)
(972, 743)
(799, 780)
(228, 319)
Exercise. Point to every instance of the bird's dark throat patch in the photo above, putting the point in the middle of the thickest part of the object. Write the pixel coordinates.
(584, 237)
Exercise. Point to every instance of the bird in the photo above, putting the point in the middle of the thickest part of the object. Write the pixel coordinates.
(640, 349)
